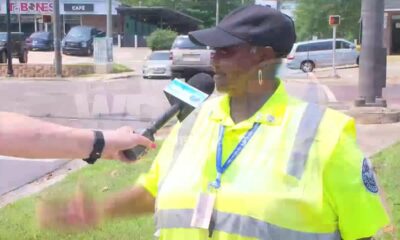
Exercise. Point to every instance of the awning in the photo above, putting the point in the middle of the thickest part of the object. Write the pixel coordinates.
(162, 17)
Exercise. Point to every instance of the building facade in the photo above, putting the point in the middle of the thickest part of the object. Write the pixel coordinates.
(27, 15)
(392, 26)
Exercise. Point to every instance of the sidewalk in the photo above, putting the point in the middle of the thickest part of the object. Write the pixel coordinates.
(88, 78)
(374, 138)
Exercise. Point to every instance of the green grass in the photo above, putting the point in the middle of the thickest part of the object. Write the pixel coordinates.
(387, 166)
(116, 68)
(119, 68)
(18, 220)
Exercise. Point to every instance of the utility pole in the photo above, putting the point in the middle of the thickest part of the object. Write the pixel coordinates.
(10, 71)
(334, 21)
(57, 38)
(217, 13)
(110, 56)
(372, 77)
(109, 19)
(334, 52)
(19, 16)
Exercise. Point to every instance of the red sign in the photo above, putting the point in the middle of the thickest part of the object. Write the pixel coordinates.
(334, 20)
(32, 7)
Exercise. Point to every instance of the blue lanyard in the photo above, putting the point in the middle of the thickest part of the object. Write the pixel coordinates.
(222, 168)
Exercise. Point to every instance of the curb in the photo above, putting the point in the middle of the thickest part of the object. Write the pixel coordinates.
(41, 183)
(368, 115)
(374, 115)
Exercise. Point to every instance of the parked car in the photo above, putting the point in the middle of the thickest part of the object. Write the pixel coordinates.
(79, 40)
(189, 58)
(319, 53)
(157, 65)
(19, 50)
(40, 41)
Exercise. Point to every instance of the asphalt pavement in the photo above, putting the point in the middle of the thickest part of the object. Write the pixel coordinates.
(16, 172)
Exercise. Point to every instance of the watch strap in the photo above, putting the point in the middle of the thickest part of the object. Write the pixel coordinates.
(98, 147)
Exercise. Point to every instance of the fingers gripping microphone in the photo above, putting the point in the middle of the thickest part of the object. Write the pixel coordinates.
(184, 98)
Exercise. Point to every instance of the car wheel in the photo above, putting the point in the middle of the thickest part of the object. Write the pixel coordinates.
(307, 66)
(24, 57)
(3, 57)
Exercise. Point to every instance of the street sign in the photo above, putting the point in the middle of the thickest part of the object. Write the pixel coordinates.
(78, 7)
(334, 20)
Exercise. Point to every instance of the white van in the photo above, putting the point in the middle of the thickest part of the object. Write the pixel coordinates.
(318, 53)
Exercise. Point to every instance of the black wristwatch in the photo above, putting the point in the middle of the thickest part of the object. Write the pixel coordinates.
(98, 147)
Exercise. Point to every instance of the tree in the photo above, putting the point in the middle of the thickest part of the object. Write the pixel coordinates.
(161, 39)
(201, 9)
(312, 18)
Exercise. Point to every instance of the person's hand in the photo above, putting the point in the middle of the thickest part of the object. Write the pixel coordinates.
(79, 213)
(116, 141)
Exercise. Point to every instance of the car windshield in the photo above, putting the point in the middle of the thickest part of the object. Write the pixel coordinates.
(3, 37)
(41, 35)
(185, 43)
(159, 56)
(79, 33)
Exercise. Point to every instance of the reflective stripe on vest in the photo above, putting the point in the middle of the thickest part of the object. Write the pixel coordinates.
(237, 224)
(305, 136)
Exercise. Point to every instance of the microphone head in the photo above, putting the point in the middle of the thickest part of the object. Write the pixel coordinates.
(202, 81)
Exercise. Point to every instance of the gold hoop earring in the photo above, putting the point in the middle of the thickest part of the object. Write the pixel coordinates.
(260, 77)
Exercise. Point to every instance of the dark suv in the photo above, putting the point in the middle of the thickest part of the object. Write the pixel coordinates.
(79, 40)
(19, 49)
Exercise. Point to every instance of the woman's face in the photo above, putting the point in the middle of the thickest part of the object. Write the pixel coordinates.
(235, 68)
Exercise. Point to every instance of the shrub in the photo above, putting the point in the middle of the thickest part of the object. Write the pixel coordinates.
(161, 39)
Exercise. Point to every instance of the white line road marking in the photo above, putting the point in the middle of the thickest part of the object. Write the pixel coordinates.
(329, 94)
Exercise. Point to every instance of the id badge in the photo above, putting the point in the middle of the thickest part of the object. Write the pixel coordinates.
(204, 208)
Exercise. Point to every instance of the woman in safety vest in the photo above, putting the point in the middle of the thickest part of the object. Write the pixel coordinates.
(254, 163)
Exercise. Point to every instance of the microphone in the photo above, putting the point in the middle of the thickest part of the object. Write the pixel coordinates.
(184, 98)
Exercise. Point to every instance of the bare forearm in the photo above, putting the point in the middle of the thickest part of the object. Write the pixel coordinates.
(135, 201)
(22, 136)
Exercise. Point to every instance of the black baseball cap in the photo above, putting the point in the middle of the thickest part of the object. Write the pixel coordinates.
(253, 24)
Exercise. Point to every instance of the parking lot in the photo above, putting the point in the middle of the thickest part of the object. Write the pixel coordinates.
(134, 58)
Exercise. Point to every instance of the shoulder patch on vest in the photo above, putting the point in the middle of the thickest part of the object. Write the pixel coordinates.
(368, 177)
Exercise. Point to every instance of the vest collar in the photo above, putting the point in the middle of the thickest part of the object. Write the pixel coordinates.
(271, 113)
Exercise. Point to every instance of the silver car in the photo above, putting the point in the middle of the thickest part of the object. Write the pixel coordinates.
(157, 65)
(319, 53)
(189, 58)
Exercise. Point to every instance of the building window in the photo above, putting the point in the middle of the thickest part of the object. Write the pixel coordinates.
(71, 21)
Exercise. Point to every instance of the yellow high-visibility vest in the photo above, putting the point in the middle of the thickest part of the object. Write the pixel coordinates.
(301, 176)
